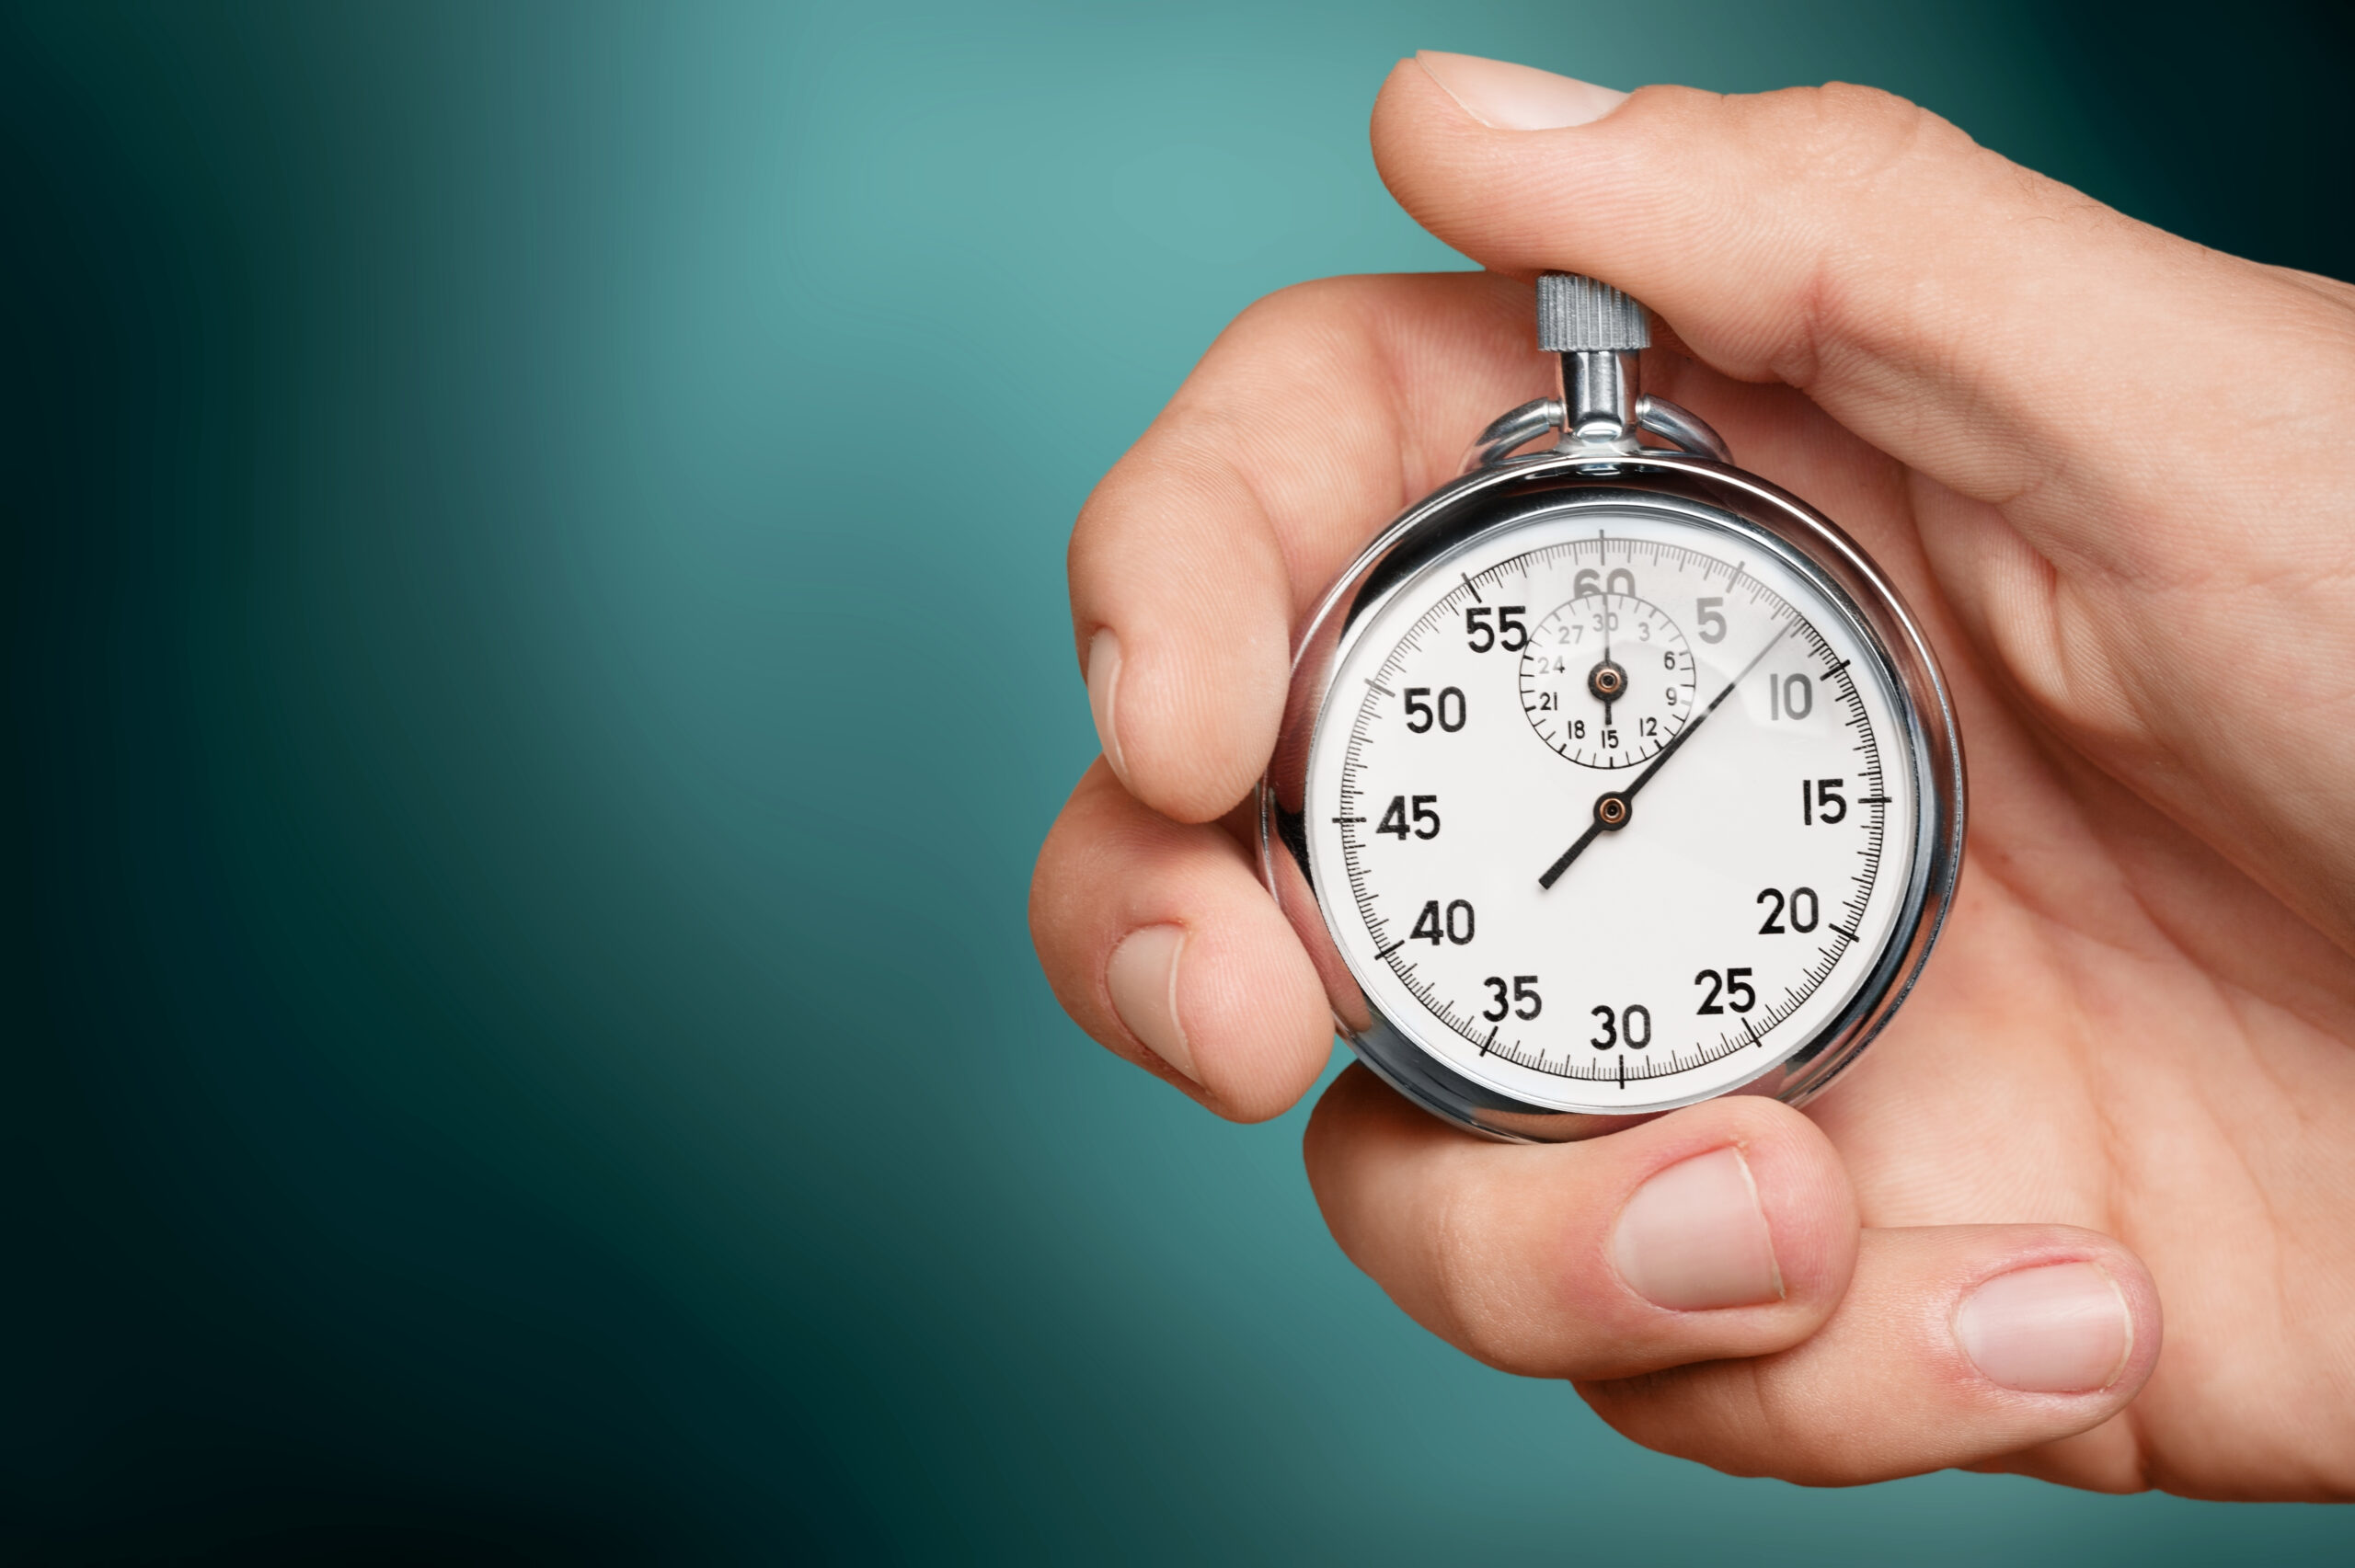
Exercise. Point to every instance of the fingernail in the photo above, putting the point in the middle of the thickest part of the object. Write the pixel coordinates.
(1143, 979)
(1693, 1237)
(2057, 1329)
(1103, 685)
(1517, 97)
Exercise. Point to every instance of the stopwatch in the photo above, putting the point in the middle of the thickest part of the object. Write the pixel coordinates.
(1612, 777)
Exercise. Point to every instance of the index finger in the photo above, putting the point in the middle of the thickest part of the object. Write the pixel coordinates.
(1317, 415)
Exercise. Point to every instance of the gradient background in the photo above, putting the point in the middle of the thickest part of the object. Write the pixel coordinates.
(536, 666)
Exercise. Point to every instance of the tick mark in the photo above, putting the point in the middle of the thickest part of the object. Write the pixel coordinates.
(1475, 592)
(1380, 687)
(1386, 952)
(1849, 935)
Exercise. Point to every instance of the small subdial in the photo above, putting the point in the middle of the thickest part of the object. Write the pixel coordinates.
(1607, 680)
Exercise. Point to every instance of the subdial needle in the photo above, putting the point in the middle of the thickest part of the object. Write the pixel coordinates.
(1606, 680)
(1615, 809)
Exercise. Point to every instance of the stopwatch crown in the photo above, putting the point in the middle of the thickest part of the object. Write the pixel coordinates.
(1579, 316)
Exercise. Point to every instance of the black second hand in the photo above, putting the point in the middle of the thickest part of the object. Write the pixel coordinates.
(1554, 872)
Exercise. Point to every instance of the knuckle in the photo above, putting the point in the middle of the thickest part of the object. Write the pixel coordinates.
(1314, 302)
(1301, 337)
(1475, 1291)
(1842, 164)
(1059, 883)
(1845, 136)
(1458, 1279)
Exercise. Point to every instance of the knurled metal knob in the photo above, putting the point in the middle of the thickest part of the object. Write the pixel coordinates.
(1578, 315)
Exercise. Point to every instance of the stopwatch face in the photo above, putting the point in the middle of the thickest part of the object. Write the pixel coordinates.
(1615, 805)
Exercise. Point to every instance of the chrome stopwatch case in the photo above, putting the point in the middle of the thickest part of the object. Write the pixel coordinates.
(1612, 778)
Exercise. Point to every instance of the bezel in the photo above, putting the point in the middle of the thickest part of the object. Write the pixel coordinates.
(1476, 507)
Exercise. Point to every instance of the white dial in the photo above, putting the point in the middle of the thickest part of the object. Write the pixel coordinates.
(1612, 810)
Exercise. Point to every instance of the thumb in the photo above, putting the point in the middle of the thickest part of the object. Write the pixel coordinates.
(2076, 394)
(1977, 322)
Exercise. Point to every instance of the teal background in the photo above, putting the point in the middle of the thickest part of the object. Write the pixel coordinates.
(536, 667)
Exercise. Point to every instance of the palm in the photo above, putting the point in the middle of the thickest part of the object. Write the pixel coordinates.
(2112, 1037)
(2123, 1032)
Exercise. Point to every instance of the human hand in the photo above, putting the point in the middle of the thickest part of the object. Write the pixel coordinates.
(2113, 476)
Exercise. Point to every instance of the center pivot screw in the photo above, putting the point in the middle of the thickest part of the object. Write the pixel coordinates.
(1607, 680)
(1611, 811)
